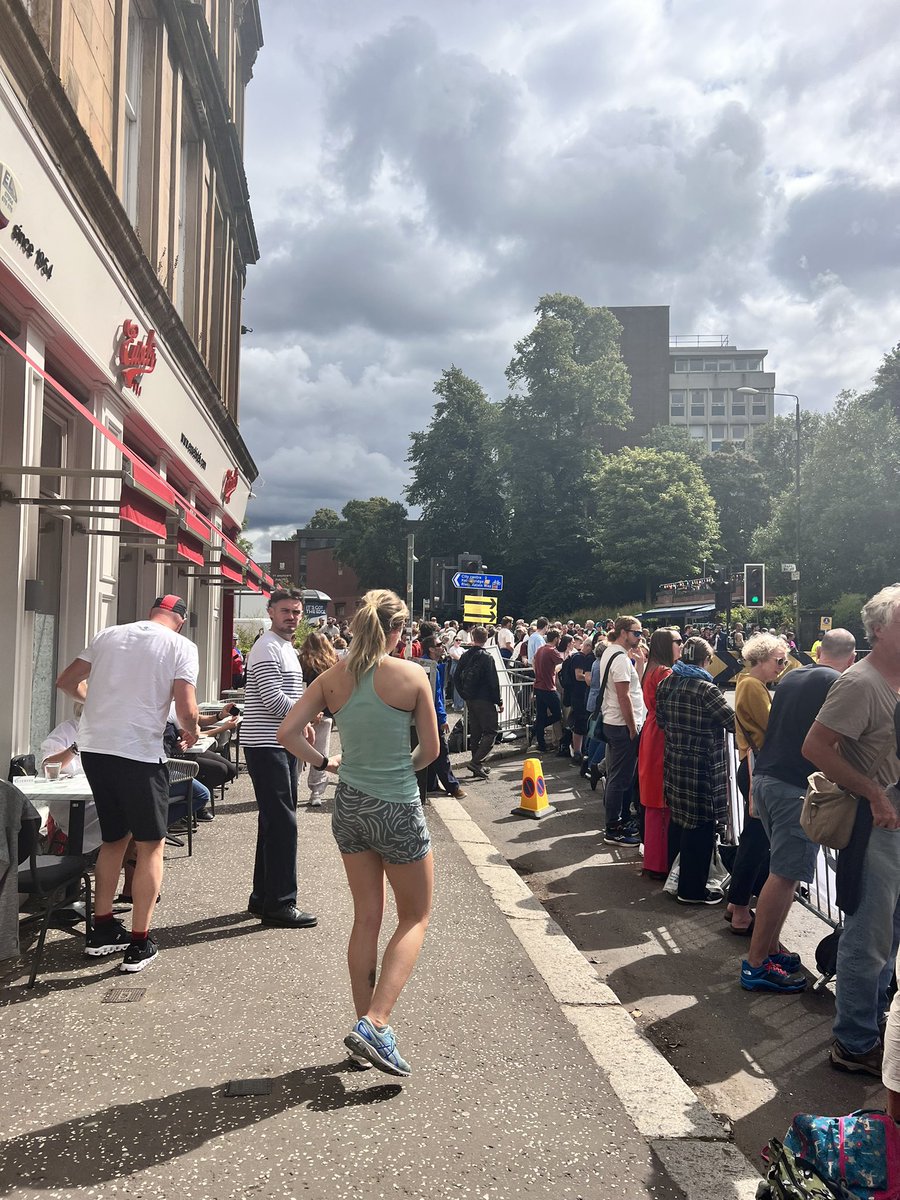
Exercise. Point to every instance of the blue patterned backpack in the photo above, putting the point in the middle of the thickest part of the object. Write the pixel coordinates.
(860, 1151)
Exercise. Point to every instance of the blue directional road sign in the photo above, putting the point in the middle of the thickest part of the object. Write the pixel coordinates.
(481, 583)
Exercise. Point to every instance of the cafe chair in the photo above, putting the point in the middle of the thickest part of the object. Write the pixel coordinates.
(183, 770)
(21, 764)
(47, 879)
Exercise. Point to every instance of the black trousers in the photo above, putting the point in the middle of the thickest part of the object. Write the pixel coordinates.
(442, 770)
(483, 725)
(214, 769)
(751, 863)
(274, 775)
(695, 846)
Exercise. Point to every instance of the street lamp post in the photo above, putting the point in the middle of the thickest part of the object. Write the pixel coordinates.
(752, 391)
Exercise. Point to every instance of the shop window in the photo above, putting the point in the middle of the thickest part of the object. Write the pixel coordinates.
(717, 402)
(698, 402)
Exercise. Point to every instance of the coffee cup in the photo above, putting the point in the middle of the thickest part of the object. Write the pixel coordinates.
(51, 770)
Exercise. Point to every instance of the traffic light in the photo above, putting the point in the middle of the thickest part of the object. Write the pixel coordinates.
(754, 585)
(469, 563)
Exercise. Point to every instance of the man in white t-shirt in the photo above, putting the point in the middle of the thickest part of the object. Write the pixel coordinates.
(505, 639)
(623, 715)
(135, 671)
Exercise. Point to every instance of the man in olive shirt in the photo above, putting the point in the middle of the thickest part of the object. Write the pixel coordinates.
(852, 743)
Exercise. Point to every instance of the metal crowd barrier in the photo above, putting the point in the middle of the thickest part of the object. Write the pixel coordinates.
(820, 896)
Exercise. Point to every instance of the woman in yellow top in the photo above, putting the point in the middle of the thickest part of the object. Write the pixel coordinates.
(765, 657)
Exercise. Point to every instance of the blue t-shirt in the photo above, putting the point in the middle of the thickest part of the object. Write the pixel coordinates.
(798, 698)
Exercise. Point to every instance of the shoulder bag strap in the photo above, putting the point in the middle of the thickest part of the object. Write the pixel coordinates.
(613, 657)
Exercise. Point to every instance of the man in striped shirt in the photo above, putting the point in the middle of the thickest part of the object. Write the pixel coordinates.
(274, 684)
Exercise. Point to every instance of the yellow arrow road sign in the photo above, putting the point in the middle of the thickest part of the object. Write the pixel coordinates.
(480, 608)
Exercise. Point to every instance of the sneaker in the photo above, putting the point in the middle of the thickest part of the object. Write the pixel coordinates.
(138, 957)
(203, 814)
(788, 962)
(314, 802)
(477, 770)
(770, 977)
(621, 837)
(378, 1046)
(361, 1064)
(709, 898)
(109, 938)
(845, 1060)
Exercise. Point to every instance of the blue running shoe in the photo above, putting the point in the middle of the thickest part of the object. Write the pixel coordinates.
(770, 977)
(379, 1046)
(788, 962)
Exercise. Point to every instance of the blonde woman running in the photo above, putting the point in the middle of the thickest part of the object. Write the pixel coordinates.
(377, 822)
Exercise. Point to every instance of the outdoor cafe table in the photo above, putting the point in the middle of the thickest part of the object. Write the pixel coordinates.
(69, 801)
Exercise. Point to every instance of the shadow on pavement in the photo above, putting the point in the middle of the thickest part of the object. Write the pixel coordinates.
(127, 1138)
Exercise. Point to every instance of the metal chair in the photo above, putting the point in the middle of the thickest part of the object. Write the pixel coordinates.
(184, 770)
(21, 764)
(47, 878)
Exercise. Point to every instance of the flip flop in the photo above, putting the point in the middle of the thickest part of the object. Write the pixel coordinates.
(747, 931)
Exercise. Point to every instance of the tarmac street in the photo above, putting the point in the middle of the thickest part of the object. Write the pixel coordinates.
(128, 1099)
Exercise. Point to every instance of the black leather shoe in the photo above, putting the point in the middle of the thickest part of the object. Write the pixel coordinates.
(255, 907)
(290, 918)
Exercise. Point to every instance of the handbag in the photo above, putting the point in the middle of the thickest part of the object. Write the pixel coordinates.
(860, 1152)
(829, 810)
(595, 726)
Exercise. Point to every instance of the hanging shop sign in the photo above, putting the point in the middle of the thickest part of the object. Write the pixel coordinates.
(9, 195)
(229, 484)
(137, 356)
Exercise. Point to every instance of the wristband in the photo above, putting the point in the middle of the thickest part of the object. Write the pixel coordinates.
(323, 765)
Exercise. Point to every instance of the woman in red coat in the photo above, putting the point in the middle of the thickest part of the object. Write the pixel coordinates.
(665, 650)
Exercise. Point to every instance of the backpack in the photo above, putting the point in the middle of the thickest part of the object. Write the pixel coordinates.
(860, 1151)
(792, 1178)
(468, 674)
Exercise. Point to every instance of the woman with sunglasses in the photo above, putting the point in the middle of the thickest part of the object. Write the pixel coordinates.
(377, 820)
(665, 651)
(765, 657)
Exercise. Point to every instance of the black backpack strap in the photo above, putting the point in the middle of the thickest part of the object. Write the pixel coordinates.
(606, 676)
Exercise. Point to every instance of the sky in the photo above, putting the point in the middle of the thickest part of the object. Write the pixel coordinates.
(421, 173)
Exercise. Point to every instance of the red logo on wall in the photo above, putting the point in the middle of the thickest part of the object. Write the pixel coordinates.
(137, 356)
(229, 484)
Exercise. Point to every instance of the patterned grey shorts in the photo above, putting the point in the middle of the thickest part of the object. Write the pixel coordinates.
(395, 831)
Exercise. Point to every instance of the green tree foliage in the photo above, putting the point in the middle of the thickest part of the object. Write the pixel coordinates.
(677, 440)
(849, 510)
(774, 448)
(885, 395)
(373, 542)
(568, 386)
(742, 497)
(324, 518)
(846, 615)
(455, 477)
(655, 518)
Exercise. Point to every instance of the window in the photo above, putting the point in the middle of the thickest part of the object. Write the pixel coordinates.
(758, 407)
(133, 71)
(710, 364)
(740, 364)
(738, 405)
(698, 433)
(677, 400)
(718, 432)
(717, 403)
(725, 364)
(188, 273)
(754, 364)
(739, 433)
(681, 364)
(698, 402)
(696, 364)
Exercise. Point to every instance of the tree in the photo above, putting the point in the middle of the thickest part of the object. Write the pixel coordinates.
(742, 496)
(849, 508)
(324, 518)
(774, 447)
(654, 517)
(372, 540)
(676, 439)
(886, 392)
(455, 477)
(568, 386)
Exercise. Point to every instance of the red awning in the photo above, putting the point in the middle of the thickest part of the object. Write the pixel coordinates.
(190, 549)
(252, 584)
(269, 580)
(230, 550)
(137, 508)
(230, 572)
(196, 523)
(150, 483)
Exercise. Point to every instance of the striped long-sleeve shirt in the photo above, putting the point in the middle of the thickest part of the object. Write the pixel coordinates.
(274, 684)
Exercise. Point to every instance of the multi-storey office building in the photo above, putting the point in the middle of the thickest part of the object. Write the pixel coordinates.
(125, 235)
(704, 377)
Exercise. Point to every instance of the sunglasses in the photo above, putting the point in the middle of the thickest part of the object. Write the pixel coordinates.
(780, 662)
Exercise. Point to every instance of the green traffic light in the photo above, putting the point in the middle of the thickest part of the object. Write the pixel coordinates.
(754, 599)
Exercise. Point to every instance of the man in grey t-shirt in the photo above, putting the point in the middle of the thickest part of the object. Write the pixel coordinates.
(852, 742)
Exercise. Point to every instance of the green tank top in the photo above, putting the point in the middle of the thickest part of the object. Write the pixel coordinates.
(375, 747)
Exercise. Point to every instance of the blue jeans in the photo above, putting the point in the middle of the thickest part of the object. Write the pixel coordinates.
(621, 767)
(274, 775)
(547, 711)
(868, 946)
(594, 752)
(199, 799)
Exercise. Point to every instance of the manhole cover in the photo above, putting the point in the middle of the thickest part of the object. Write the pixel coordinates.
(248, 1087)
(123, 995)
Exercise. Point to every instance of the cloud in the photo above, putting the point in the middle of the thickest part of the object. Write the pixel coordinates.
(419, 185)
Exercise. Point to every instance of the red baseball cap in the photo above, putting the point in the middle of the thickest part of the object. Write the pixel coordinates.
(173, 604)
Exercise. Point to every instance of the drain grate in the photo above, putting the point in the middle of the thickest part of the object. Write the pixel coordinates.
(248, 1087)
(123, 995)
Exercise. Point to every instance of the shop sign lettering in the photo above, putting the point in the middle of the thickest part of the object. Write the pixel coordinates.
(137, 356)
(26, 245)
(192, 450)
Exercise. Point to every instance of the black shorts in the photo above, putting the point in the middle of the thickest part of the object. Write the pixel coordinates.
(131, 797)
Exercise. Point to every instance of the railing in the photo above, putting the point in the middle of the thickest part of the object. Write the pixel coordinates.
(699, 339)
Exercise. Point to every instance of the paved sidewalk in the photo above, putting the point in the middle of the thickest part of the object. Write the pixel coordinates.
(504, 1023)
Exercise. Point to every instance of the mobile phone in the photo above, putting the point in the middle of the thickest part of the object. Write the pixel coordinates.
(234, 711)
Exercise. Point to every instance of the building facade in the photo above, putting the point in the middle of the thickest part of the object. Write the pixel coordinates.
(308, 561)
(125, 236)
(689, 381)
